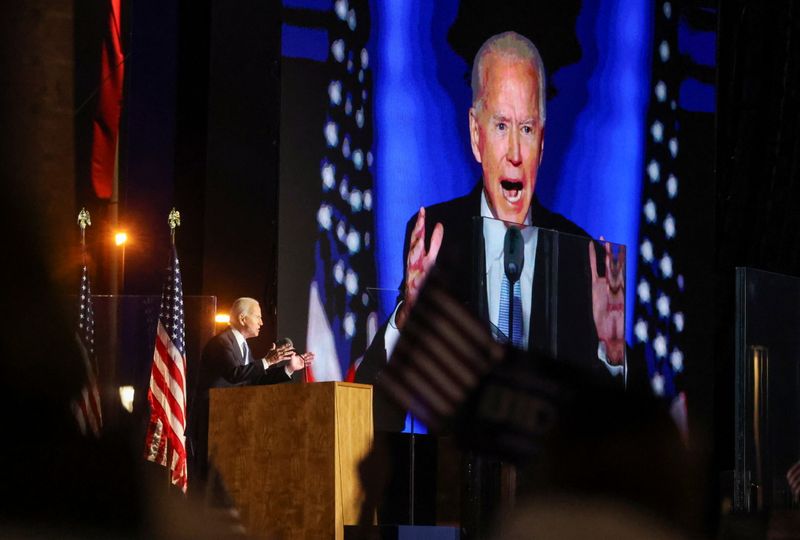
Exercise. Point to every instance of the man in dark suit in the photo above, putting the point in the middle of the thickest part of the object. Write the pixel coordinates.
(227, 361)
(507, 138)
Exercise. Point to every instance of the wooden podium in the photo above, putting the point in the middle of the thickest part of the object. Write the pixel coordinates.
(289, 455)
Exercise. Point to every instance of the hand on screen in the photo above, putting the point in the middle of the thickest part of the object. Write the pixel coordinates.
(418, 264)
(608, 302)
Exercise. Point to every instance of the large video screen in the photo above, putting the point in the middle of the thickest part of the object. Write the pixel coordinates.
(375, 125)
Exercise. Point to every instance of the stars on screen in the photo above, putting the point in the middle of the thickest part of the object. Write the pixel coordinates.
(344, 252)
(659, 320)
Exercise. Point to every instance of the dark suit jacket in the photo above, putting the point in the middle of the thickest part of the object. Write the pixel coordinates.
(221, 366)
(561, 324)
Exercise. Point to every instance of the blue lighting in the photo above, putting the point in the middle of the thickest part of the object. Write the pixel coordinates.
(594, 146)
(301, 42)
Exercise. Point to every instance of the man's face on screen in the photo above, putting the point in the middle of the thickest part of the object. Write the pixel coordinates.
(507, 135)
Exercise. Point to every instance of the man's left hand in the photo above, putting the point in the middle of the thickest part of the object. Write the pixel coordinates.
(608, 302)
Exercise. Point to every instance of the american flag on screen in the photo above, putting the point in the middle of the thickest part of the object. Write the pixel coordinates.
(165, 442)
(87, 406)
(342, 318)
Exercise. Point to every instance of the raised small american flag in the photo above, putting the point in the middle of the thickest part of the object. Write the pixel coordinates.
(87, 406)
(165, 442)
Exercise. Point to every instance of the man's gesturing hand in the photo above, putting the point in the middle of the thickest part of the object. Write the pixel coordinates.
(418, 263)
(608, 302)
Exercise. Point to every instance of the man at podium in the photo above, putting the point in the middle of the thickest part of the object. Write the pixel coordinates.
(227, 361)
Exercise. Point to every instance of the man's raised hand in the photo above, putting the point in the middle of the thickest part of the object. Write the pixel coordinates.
(608, 302)
(418, 263)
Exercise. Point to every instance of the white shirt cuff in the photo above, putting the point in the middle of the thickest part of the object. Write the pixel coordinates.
(392, 334)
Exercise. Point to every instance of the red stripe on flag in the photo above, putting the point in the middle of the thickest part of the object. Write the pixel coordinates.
(175, 373)
(175, 408)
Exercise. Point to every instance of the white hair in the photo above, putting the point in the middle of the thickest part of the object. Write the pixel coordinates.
(512, 46)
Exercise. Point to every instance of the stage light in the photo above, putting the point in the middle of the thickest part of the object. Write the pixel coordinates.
(120, 238)
(368, 196)
(126, 394)
(222, 318)
(344, 188)
(364, 58)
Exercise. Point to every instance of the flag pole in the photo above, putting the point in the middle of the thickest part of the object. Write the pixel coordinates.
(174, 220)
(84, 220)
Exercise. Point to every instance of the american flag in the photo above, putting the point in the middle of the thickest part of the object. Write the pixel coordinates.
(165, 443)
(342, 314)
(87, 406)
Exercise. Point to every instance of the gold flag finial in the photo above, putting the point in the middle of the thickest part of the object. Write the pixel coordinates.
(174, 219)
(84, 218)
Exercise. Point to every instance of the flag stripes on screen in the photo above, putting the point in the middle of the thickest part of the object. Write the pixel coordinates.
(442, 354)
(87, 406)
(165, 442)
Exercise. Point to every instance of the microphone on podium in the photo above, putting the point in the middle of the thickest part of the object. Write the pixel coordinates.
(287, 342)
(513, 261)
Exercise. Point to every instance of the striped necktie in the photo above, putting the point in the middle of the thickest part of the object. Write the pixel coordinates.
(245, 351)
(505, 301)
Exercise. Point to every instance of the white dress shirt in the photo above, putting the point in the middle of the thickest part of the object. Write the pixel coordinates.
(240, 340)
